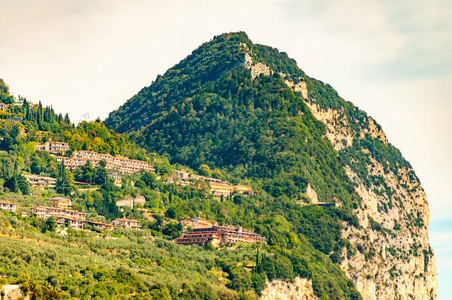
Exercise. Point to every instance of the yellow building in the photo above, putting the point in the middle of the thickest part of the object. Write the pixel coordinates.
(201, 221)
(61, 202)
(240, 188)
(219, 189)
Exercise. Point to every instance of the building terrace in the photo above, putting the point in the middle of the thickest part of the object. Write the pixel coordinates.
(219, 235)
(123, 165)
(35, 180)
(47, 212)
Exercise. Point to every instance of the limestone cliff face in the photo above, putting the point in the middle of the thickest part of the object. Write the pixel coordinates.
(300, 289)
(12, 292)
(256, 69)
(393, 259)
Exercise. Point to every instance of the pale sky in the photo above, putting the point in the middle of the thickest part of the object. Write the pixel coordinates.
(392, 59)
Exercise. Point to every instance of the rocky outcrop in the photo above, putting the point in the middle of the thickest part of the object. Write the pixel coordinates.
(391, 256)
(12, 292)
(392, 246)
(336, 123)
(257, 68)
(300, 289)
(312, 195)
(300, 87)
(131, 202)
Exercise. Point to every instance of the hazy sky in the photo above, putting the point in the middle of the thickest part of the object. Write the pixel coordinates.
(391, 58)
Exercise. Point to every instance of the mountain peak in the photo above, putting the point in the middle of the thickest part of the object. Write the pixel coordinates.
(247, 110)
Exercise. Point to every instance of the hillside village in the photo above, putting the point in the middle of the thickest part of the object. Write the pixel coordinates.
(218, 187)
(201, 231)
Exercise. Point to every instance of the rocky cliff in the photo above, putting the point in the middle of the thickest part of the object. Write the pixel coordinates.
(393, 258)
(300, 289)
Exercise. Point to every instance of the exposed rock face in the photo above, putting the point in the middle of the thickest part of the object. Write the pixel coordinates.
(393, 259)
(310, 192)
(340, 136)
(300, 289)
(256, 69)
(131, 202)
(13, 292)
(300, 87)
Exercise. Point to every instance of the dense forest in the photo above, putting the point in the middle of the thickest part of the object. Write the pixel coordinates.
(219, 116)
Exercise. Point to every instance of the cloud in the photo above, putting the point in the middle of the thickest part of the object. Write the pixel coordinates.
(385, 40)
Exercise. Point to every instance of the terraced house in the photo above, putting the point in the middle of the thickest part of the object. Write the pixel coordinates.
(47, 212)
(123, 165)
(217, 235)
(53, 147)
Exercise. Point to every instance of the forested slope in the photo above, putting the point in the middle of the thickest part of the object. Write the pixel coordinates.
(249, 110)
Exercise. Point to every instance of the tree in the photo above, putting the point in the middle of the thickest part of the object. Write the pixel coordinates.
(240, 278)
(49, 225)
(12, 184)
(100, 175)
(205, 170)
(103, 163)
(159, 291)
(150, 179)
(65, 180)
(4, 88)
(171, 213)
(23, 184)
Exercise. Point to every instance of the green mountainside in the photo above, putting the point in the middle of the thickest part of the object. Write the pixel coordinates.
(239, 112)
(249, 113)
(208, 110)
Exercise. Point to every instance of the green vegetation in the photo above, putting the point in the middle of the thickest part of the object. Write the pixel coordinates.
(137, 265)
(5, 97)
(208, 115)
(251, 129)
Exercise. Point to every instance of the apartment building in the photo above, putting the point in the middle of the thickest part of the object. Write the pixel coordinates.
(188, 222)
(201, 221)
(127, 223)
(100, 225)
(53, 147)
(47, 212)
(219, 189)
(44, 181)
(73, 223)
(240, 188)
(123, 165)
(200, 238)
(226, 235)
(9, 206)
(61, 202)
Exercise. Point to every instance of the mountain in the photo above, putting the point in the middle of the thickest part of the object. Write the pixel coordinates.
(249, 112)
